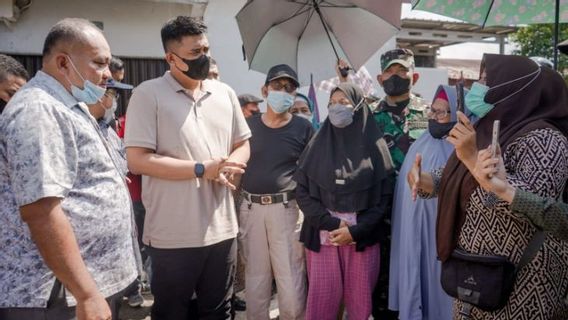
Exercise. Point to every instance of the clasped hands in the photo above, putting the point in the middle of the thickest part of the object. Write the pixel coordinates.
(223, 170)
(341, 236)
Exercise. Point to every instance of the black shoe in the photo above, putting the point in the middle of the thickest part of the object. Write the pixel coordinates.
(239, 304)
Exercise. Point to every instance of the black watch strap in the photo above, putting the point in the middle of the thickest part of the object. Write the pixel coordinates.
(199, 170)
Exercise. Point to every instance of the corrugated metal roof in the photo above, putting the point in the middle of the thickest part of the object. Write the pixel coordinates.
(455, 67)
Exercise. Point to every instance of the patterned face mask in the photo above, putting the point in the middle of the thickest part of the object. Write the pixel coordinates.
(341, 115)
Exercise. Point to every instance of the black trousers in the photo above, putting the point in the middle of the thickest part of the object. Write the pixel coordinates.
(139, 216)
(207, 271)
(380, 298)
(57, 308)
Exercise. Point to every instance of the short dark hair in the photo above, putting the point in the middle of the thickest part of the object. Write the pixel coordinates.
(10, 66)
(181, 26)
(116, 64)
(66, 30)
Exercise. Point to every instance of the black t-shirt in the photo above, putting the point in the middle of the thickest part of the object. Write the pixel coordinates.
(274, 155)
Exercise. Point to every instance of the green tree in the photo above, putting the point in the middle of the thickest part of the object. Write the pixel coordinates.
(538, 40)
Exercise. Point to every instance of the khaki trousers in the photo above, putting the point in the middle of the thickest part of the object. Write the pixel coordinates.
(269, 237)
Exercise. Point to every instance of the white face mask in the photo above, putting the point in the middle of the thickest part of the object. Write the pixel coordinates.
(109, 113)
(305, 116)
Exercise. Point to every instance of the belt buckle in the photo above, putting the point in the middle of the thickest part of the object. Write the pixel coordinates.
(265, 200)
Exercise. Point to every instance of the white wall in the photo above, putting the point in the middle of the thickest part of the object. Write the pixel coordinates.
(132, 27)
(226, 47)
(430, 79)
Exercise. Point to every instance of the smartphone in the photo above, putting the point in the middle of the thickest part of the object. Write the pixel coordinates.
(495, 138)
(461, 98)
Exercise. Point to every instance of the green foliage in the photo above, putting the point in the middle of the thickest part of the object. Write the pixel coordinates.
(538, 40)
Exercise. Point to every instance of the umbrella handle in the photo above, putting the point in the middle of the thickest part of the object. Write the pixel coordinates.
(556, 32)
(318, 11)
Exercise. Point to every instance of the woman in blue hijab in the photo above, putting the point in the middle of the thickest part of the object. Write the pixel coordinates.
(304, 107)
(415, 289)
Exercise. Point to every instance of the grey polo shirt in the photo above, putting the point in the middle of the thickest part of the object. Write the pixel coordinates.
(163, 117)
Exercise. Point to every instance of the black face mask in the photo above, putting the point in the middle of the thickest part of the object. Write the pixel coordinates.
(440, 130)
(396, 86)
(198, 68)
(2, 105)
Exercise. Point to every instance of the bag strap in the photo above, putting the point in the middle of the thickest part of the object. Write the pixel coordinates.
(532, 249)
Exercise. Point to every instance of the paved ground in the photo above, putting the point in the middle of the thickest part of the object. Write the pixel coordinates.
(143, 313)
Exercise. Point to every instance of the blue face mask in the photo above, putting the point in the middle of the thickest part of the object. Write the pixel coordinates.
(475, 100)
(279, 101)
(90, 94)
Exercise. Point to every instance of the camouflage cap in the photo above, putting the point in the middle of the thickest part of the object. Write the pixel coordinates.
(403, 57)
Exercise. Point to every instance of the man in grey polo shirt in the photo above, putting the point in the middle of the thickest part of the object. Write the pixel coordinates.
(70, 245)
(186, 136)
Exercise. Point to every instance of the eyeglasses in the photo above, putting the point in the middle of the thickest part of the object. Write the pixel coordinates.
(278, 86)
(438, 114)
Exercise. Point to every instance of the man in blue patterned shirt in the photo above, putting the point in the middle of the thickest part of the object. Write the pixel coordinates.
(66, 228)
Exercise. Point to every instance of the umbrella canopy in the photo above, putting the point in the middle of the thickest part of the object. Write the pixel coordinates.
(310, 35)
(496, 12)
(500, 12)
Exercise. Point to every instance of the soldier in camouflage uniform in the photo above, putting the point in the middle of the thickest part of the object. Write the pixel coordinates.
(401, 115)
(403, 118)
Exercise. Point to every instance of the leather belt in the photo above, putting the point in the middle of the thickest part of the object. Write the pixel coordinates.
(266, 199)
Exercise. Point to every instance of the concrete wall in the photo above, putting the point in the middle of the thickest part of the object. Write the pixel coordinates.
(132, 27)
(226, 47)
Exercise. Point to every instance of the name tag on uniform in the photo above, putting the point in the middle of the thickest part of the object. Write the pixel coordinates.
(339, 181)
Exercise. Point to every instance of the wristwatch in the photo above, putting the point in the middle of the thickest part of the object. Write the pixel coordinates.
(199, 170)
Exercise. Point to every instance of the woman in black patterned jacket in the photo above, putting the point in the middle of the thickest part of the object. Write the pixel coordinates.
(531, 104)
